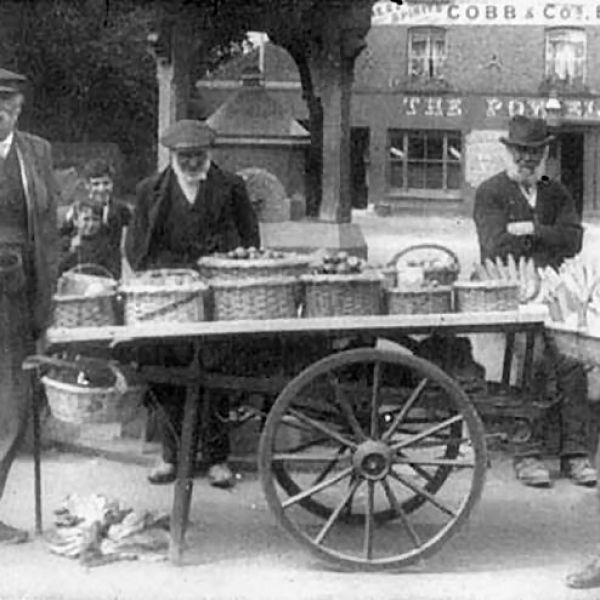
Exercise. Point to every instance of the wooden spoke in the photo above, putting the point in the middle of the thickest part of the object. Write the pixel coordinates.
(397, 508)
(304, 445)
(317, 488)
(336, 513)
(407, 406)
(348, 411)
(334, 461)
(415, 488)
(375, 401)
(323, 429)
(427, 432)
(369, 523)
(438, 462)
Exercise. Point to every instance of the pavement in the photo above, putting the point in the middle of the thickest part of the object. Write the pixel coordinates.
(518, 544)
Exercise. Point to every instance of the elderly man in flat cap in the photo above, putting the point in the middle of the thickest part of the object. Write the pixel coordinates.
(190, 209)
(522, 212)
(29, 247)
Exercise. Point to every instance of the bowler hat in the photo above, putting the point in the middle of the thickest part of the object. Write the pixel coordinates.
(188, 133)
(527, 131)
(11, 83)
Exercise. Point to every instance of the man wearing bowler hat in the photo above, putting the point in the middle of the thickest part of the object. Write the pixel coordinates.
(190, 209)
(522, 212)
(29, 246)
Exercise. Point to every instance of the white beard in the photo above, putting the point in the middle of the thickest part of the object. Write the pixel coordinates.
(521, 176)
(188, 182)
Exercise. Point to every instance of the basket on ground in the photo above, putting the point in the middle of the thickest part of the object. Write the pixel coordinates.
(81, 404)
(328, 295)
(254, 298)
(164, 295)
(428, 300)
(482, 296)
(86, 296)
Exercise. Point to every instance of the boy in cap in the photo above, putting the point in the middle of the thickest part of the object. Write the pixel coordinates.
(99, 180)
(91, 243)
(522, 212)
(190, 209)
(28, 214)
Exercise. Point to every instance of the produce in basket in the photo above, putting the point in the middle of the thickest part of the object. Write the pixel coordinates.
(572, 292)
(522, 272)
(252, 253)
(339, 263)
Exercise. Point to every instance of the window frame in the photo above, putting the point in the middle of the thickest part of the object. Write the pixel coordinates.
(433, 70)
(432, 192)
(550, 75)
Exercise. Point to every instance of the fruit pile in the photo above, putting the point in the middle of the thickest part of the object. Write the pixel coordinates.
(339, 263)
(252, 253)
(522, 272)
(573, 293)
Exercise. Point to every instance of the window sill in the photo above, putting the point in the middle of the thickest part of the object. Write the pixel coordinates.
(432, 194)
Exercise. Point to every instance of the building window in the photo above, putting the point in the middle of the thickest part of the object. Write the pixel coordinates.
(565, 57)
(425, 160)
(427, 53)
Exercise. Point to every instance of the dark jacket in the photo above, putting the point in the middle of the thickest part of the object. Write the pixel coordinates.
(230, 217)
(557, 227)
(99, 250)
(42, 193)
(118, 216)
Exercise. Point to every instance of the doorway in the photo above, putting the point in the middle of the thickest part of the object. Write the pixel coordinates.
(565, 163)
(359, 166)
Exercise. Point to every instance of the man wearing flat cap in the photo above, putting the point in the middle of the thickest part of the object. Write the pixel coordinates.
(191, 209)
(522, 212)
(29, 247)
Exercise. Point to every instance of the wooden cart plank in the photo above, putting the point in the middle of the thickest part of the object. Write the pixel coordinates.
(369, 324)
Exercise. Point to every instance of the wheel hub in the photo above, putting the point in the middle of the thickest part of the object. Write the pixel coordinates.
(372, 460)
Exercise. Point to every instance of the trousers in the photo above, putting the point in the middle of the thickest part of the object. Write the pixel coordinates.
(560, 380)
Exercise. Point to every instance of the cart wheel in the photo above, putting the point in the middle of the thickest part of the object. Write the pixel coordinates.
(356, 443)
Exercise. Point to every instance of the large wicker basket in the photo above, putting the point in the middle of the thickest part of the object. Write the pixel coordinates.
(432, 272)
(86, 297)
(164, 295)
(80, 404)
(483, 296)
(221, 267)
(429, 300)
(254, 298)
(339, 295)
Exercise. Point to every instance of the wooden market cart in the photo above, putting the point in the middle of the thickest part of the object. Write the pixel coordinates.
(370, 458)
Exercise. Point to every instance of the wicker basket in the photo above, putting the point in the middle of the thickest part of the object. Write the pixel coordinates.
(220, 267)
(481, 296)
(254, 298)
(164, 295)
(429, 300)
(74, 306)
(338, 295)
(79, 404)
(443, 275)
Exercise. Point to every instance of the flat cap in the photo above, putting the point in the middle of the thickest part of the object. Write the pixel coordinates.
(11, 83)
(188, 133)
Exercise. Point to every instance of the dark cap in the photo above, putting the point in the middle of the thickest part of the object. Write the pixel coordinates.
(188, 133)
(11, 83)
(527, 131)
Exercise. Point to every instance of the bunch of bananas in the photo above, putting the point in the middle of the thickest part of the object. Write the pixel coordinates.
(521, 272)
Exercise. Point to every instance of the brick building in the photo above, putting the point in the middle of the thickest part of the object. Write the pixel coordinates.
(434, 90)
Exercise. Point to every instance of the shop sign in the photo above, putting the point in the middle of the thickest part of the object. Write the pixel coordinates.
(572, 109)
(432, 106)
(488, 12)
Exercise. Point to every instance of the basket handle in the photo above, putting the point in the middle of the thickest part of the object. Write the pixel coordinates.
(36, 361)
(83, 267)
(392, 262)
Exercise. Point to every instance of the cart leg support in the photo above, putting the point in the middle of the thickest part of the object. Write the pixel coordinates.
(185, 474)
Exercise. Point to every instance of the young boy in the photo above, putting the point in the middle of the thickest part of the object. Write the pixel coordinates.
(98, 179)
(91, 241)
